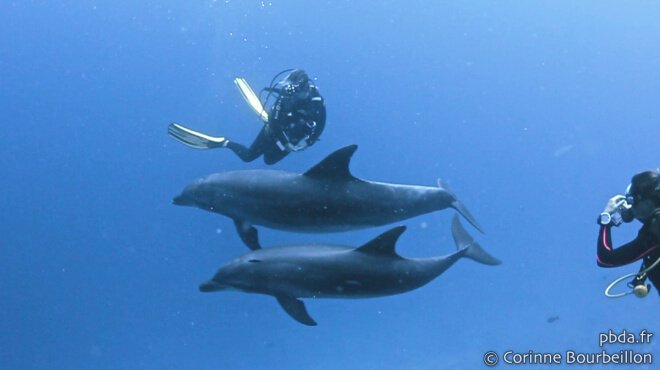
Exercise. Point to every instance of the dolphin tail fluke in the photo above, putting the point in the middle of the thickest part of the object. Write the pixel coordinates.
(296, 309)
(473, 250)
(460, 207)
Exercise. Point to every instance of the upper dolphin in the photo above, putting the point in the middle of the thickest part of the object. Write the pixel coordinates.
(326, 198)
(327, 271)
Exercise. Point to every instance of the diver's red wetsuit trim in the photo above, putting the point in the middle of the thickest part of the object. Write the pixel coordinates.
(627, 253)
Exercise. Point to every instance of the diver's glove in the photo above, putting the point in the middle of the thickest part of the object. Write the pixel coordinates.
(614, 203)
(612, 212)
(302, 145)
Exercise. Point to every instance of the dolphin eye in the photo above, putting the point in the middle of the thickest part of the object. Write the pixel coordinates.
(254, 261)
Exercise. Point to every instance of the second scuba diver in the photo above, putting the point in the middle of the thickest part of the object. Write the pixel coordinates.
(641, 202)
(296, 120)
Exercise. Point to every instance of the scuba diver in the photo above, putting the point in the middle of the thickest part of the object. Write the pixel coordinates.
(641, 202)
(296, 120)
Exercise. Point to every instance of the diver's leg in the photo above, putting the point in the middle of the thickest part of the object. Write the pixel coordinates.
(246, 154)
(254, 151)
(274, 154)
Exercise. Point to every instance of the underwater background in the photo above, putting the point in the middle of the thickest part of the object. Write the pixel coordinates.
(535, 114)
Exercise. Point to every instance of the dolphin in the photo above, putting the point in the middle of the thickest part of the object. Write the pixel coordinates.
(326, 198)
(327, 271)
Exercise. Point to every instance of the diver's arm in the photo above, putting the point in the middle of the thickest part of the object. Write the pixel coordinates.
(318, 115)
(277, 116)
(608, 256)
(276, 123)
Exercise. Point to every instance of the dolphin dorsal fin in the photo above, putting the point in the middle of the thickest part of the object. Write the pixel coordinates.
(335, 165)
(384, 244)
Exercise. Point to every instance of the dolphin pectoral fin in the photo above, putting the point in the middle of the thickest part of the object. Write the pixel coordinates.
(248, 233)
(335, 165)
(296, 309)
(471, 248)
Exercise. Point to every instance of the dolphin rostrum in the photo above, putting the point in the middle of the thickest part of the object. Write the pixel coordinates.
(326, 198)
(327, 271)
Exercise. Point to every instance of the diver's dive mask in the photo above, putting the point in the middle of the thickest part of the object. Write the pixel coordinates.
(298, 90)
(639, 208)
(296, 84)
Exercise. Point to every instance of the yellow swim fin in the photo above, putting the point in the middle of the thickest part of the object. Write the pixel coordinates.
(195, 139)
(251, 98)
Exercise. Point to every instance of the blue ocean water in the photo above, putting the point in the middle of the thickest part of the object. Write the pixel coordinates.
(535, 113)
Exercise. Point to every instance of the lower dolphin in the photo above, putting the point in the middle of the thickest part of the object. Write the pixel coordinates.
(325, 271)
(326, 198)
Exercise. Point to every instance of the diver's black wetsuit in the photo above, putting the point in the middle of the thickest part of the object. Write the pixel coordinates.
(646, 246)
(290, 119)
